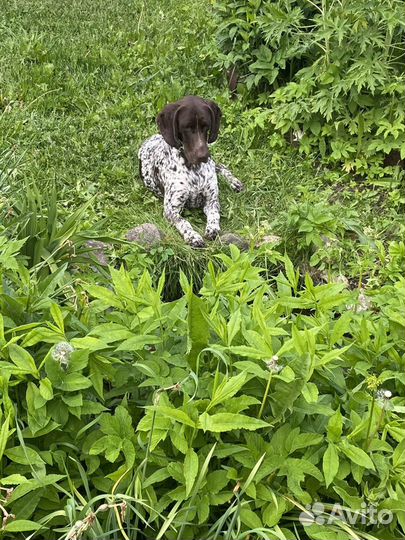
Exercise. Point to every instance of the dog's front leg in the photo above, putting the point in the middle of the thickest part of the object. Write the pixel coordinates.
(211, 210)
(173, 206)
(235, 184)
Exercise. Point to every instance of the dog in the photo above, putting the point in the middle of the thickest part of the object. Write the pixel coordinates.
(176, 165)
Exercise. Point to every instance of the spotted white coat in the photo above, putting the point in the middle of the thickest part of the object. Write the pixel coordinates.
(164, 171)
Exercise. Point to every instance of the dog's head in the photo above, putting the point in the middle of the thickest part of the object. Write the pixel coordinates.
(191, 123)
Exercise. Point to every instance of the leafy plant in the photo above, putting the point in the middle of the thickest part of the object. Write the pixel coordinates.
(212, 415)
(331, 72)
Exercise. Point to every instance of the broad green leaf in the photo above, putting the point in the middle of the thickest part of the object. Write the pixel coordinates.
(330, 464)
(190, 469)
(178, 441)
(198, 328)
(222, 422)
(45, 389)
(331, 355)
(22, 359)
(250, 518)
(398, 457)
(295, 470)
(340, 327)
(13, 479)
(137, 343)
(24, 455)
(158, 476)
(357, 455)
(107, 443)
(227, 389)
(57, 316)
(203, 509)
(292, 275)
(174, 414)
(107, 297)
(22, 525)
(310, 392)
(274, 511)
(73, 400)
(78, 360)
(252, 367)
(72, 382)
(122, 284)
(335, 427)
(4, 435)
(31, 485)
(233, 326)
(89, 342)
(2, 340)
(42, 334)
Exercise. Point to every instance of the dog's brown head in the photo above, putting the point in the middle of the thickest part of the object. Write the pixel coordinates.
(191, 123)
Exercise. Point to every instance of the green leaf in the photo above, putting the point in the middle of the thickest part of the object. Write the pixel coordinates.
(21, 525)
(24, 455)
(190, 469)
(310, 392)
(174, 414)
(274, 511)
(107, 297)
(31, 485)
(227, 389)
(4, 435)
(330, 464)
(357, 455)
(110, 445)
(233, 326)
(42, 334)
(198, 328)
(250, 518)
(137, 343)
(340, 327)
(335, 427)
(72, 382)
(221, 422)
(45, 389)
(398, 457)
(22, 359)
(178, 441)
(57, 316)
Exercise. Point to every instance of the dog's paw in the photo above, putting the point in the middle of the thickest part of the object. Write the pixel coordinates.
(237, 186)
(211, 233)
(195, 241)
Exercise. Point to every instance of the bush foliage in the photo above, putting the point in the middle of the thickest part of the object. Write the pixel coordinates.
(331, 74)
(209, 416)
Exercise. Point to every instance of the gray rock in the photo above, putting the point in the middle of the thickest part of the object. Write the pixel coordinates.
(98, 250)
(238, 241)
(147, 234)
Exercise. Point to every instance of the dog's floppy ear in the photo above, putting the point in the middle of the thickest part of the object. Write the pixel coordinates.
(167, 122)
(215, 120)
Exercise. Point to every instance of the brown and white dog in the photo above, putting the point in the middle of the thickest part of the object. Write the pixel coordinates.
(177, 166)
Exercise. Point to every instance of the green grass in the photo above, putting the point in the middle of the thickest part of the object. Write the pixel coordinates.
(81, 83)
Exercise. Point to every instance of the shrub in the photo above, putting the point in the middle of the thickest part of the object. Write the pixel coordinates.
(331, 72)
(218, 416)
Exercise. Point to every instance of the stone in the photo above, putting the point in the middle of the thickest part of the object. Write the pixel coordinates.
(147, 235)
(98, 250)
(238, 241)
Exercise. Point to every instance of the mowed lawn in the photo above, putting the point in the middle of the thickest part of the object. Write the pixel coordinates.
(81, 84)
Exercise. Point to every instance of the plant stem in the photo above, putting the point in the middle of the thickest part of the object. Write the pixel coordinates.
(266, 393)
(369, 421)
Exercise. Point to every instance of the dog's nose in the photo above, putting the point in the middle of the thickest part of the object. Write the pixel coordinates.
(203, 158)
(201, 153)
